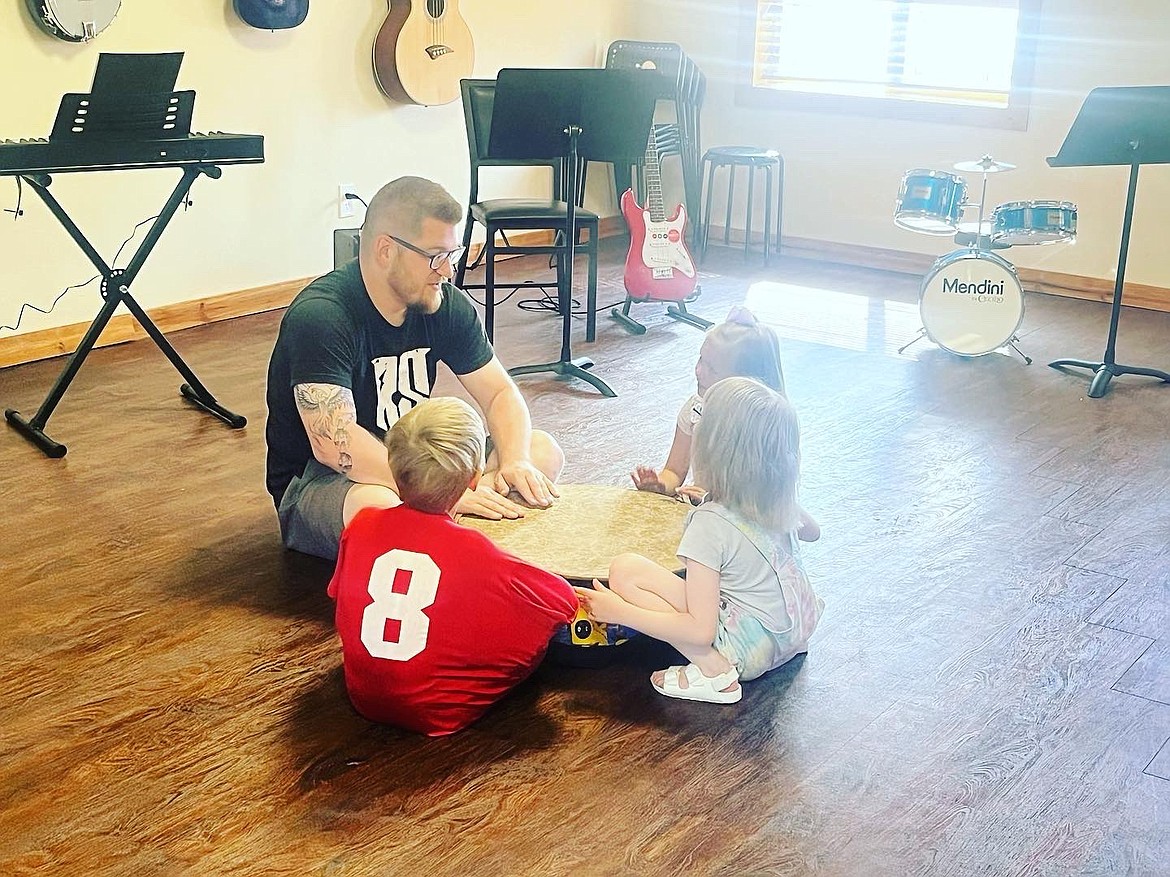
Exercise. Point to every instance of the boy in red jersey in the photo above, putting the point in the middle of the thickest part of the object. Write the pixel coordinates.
(436, 622)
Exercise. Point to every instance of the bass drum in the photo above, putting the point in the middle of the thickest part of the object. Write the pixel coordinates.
(971, 302)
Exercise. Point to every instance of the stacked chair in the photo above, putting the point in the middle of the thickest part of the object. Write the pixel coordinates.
(683, 85)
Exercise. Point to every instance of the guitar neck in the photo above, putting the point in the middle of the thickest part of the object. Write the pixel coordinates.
(653, 174)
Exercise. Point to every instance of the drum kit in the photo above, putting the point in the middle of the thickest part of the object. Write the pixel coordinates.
(971, 301)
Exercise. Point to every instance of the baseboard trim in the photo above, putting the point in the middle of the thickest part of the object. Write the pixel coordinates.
(63, 340)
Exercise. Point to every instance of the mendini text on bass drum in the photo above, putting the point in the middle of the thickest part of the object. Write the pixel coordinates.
(972, 303)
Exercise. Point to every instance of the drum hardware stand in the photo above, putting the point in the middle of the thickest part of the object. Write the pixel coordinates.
(1117, 126)
(1011, 342)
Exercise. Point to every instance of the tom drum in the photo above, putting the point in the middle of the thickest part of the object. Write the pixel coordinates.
(1023, 223)
(930, 201)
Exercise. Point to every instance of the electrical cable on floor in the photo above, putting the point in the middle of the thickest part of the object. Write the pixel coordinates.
(547, 301)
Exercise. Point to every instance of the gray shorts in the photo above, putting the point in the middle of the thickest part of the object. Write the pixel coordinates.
(312, 510)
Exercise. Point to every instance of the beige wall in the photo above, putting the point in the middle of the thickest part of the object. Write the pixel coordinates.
(310, 91)
(844, 171)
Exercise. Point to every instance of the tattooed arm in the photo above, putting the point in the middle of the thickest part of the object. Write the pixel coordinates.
(330, 419)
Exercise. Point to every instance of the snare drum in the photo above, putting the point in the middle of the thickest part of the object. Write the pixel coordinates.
(971, 302)
(1020, 223)
(930, 201)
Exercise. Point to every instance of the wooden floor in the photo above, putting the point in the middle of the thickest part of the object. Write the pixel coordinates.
(988, 693)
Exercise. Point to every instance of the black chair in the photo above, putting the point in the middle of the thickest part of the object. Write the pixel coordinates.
(502, 215)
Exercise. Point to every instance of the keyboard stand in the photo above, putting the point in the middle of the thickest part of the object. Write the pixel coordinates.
(115, 289)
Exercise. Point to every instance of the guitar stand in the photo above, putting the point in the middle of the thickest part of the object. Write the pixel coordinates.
(115, 289)
(676, 311)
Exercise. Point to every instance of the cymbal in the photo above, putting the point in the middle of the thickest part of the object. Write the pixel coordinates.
(985, 165)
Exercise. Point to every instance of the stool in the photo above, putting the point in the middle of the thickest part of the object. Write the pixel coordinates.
(751, 157)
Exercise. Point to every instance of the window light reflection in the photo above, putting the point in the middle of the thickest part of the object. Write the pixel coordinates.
(838, 319)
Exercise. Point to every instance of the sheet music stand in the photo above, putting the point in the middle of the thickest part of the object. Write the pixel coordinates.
(587, 114)
(131, 100)
(1117, 126)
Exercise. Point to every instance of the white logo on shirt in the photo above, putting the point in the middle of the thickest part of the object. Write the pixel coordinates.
(697, 411)
(402, 382)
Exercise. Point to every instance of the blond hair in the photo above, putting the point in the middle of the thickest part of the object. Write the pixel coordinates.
(746, 452)
(752, 346)
(435, 450)
(401, 206)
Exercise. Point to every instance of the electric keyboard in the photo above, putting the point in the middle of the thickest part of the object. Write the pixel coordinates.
(19, 157)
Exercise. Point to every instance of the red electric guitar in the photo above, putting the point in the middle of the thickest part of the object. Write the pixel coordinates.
(659, 266)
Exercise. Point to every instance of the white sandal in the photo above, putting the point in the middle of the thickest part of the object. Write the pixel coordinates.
(708, 689)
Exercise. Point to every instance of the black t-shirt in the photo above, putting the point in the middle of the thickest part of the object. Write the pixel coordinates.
(333, 334)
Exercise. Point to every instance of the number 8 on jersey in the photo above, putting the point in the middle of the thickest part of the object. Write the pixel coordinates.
(405, 608)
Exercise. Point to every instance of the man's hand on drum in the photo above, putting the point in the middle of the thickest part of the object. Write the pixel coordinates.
(647, 478)
(486, 502)
(600, 603)
(532, 484)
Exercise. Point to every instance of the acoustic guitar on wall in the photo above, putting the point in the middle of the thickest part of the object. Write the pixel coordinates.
(421, 52)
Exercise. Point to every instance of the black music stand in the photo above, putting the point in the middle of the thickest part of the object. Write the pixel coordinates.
(1117, 126)
(587, 114)
(131, 100)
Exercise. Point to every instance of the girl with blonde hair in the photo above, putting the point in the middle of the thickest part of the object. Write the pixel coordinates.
(741, 346)
(746, 605)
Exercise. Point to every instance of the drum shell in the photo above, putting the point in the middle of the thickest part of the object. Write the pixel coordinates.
(971, 302)
(1032, 223)
(930, 201)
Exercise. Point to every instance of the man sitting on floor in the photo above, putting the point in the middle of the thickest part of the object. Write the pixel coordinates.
(360, 347)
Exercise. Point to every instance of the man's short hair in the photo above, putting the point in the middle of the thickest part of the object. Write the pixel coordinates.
(401, 206)
(435, 449)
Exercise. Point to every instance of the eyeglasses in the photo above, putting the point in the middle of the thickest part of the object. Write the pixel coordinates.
(451, 257)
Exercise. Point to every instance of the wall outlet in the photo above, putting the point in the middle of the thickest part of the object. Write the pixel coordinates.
(344, 205)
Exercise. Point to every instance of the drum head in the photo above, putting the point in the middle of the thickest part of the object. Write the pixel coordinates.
(579, 534)
(971, 303)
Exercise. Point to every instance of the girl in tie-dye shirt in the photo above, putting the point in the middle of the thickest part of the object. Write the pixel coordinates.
(746, 605)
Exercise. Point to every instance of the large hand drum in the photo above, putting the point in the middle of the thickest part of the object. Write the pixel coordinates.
(586, 528)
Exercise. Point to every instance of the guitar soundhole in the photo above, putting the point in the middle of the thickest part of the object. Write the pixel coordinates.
(436, 8)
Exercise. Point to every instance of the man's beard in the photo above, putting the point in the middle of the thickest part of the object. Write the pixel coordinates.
(425, 306)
